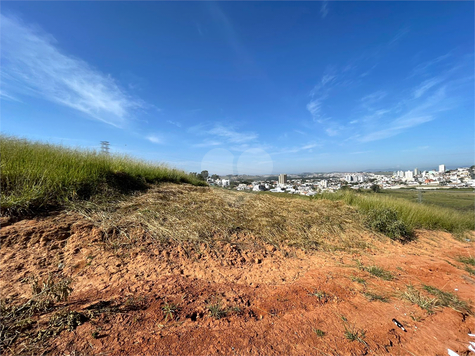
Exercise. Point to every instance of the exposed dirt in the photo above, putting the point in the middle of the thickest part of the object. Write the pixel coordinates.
(267, 300)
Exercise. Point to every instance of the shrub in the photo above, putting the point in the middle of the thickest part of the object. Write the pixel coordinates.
(386, 221)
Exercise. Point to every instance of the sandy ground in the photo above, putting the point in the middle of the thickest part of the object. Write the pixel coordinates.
(273, 301)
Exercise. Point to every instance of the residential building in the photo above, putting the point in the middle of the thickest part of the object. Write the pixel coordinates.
(442, 168)
(283, 179)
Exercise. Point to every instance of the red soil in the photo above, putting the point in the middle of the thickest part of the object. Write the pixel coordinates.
(269, 294)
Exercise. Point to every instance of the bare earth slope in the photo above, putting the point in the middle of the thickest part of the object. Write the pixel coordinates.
(149, 286)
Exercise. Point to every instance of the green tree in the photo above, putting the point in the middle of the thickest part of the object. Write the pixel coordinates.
(375, 188)
(204, 174)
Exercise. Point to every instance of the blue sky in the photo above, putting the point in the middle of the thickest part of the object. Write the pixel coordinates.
(245, 87)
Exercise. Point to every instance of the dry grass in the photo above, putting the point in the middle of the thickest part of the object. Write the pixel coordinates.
(172, 213)
(438, 299)
(21, 321)
(416, 297)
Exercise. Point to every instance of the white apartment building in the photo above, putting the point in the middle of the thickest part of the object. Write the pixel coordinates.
(409, 175)
(442, 168)
(283, 179)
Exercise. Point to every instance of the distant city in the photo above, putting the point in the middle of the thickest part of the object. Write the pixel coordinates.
(313, 183)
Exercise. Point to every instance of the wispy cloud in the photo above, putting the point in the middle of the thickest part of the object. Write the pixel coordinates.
(231, 135)
(418, 115)
(219, 134)
(209, 143)
(6, 96)
(426, 85)
(373, 98)
(400, 34)
(34, 65)
(154, 138)
(315, 108)
(324, 9)
(423, 67)
(175, 123)
(307, 147)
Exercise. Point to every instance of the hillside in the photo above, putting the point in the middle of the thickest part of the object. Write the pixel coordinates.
(181, 269)
(36, 176)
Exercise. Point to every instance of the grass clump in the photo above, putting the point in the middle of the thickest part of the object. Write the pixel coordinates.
(20, 321)
(373, 296)
(376, 271)
(439, 299)
(416, 297)
(358, 280)
(318, 332)
(169, 309)
(217, 311)
(354, 334)
(467, 260)
(386, 221)
(38, 175)
(322, 296)
(470, 270)
(446, 299)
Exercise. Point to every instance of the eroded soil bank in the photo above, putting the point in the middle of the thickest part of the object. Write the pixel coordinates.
(236, 296)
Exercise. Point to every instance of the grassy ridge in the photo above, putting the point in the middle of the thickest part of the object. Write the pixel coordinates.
(415, 215)
(35, 175)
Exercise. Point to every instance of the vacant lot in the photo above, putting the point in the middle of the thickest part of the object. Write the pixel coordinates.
(190, 270)
(460, 199)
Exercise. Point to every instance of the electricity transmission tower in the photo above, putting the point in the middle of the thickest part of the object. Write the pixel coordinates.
(105, 147)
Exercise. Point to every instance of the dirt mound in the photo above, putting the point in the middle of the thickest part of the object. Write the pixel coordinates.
(237, 294)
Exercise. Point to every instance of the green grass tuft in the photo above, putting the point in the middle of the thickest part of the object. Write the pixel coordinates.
(446, 299)
(38, 175)
(376, 271)
(354, 334)
(217, 311)
(467, 260)
(373, 296)
(318, 332)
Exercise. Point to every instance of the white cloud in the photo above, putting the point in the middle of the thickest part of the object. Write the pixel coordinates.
(208, 144)
(418, 115)
(6, 96)
(396, 127)
(307, 147)
(154, 139)
(33, 64)
(425, 86)
(373, 97)
(232, 135)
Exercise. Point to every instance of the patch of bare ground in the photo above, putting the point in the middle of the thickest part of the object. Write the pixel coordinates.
(191, 271)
